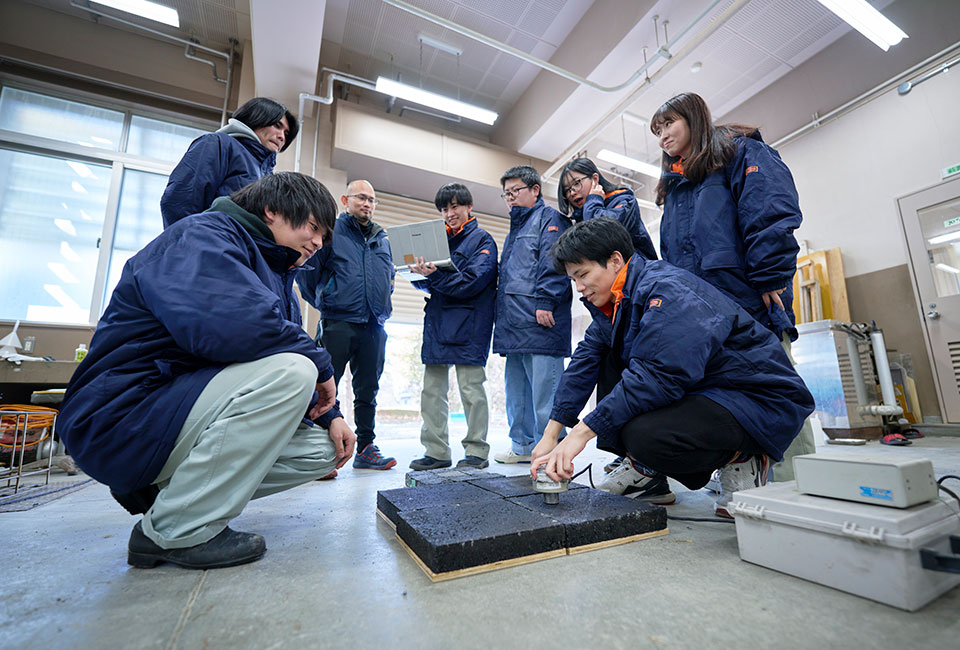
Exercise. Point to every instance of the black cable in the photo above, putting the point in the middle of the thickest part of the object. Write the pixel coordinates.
(946, 476)
(589, 476)
(950, 492)
(709, 520)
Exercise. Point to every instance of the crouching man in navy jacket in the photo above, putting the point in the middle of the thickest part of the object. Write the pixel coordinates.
(192, 398)
(457, 324)
(687, 382)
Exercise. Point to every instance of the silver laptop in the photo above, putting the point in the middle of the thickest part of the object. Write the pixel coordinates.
(426, 239)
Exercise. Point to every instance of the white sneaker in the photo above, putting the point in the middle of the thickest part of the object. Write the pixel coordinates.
(628, 481)
(509, 457)
(744, 475)
(713, 485)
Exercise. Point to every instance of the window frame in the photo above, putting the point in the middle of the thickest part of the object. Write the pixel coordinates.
(118, 161)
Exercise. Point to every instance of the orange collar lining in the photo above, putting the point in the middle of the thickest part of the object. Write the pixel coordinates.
(617, 290)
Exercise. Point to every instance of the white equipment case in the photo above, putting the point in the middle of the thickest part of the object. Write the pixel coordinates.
(871, 551)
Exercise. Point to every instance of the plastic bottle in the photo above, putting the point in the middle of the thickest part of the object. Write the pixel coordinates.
(80, 352)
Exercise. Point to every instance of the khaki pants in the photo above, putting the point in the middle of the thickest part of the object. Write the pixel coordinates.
(802, 444)
(243, 439)
(434, 410)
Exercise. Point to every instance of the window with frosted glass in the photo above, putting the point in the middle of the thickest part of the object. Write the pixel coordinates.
(60, 119)
(138, 221)
(51, 219)
(163, 140)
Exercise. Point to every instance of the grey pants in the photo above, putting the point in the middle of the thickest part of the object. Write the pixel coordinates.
(434, 409)
(802, 444)
(243, 439)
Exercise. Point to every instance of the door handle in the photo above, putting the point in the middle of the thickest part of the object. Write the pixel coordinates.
(933, 314)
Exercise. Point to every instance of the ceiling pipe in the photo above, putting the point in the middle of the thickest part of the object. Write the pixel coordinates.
(663, 52)
(907, 86)
(614, 113)
(326, 98)
(212, 64)
(858, 101)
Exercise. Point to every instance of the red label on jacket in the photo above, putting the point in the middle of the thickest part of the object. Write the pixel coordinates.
(549, 228)
(654, 302)
(484, 251)
(750, 170)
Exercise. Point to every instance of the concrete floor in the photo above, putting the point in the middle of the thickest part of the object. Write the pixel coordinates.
(335, 576)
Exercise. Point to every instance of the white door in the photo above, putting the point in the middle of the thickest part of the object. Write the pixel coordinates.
(931, 223)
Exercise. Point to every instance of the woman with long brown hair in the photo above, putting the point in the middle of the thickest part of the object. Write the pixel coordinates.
(730, 207)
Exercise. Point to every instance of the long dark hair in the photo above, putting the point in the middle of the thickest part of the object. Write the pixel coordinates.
(263, 111)
(712, 147)
(584, 166)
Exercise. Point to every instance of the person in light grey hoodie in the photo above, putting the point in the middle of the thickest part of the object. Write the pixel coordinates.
(220, 163)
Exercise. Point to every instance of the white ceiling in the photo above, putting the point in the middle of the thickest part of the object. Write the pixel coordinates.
(376, 39)
(763, 41)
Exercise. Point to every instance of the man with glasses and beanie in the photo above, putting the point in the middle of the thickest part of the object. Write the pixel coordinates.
(533, 312)
(350, 283)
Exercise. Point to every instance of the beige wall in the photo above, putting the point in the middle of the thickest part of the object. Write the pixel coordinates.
(57, 341)
(849, 174)
(55, 40)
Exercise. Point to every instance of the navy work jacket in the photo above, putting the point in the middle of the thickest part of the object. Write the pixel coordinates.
(681, 336)
(529, 282)
(212, 290)
(352, 277)
(216, 164)
(735, 230)
(458, 315)
(621, 205)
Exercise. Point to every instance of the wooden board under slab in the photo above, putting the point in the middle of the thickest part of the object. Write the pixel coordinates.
(616, 542)
(517, 561)
(483, 568)
(387, 520)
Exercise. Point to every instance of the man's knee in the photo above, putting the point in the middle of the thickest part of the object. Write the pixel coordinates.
(296, 370)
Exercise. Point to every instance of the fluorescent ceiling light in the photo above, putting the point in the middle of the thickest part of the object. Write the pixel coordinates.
(868, 21)
(941, 239)
(948, 269)
(145, 9)
(630, 163)
(433, 100)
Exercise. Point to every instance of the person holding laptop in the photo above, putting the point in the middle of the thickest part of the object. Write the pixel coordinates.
(457, 326)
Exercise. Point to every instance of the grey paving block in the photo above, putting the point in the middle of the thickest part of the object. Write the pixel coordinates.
(590, 516)
(513, 486)
(390, 502)
(454, 537)
(445, 475)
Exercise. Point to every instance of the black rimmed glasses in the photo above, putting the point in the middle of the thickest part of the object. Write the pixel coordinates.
(512, 194)
(575, 186)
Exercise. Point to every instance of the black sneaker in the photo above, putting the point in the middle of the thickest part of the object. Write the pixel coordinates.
(474, 461)
(229, 548)
(429, 462)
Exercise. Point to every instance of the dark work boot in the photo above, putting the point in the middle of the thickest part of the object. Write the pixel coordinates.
(229, 548)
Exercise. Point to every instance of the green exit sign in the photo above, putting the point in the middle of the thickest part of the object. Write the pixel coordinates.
(951, 222)
(949, 171)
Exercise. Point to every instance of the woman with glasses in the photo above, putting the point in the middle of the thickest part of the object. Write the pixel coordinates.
(220, 163)
(587, 194)
(730, 207)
